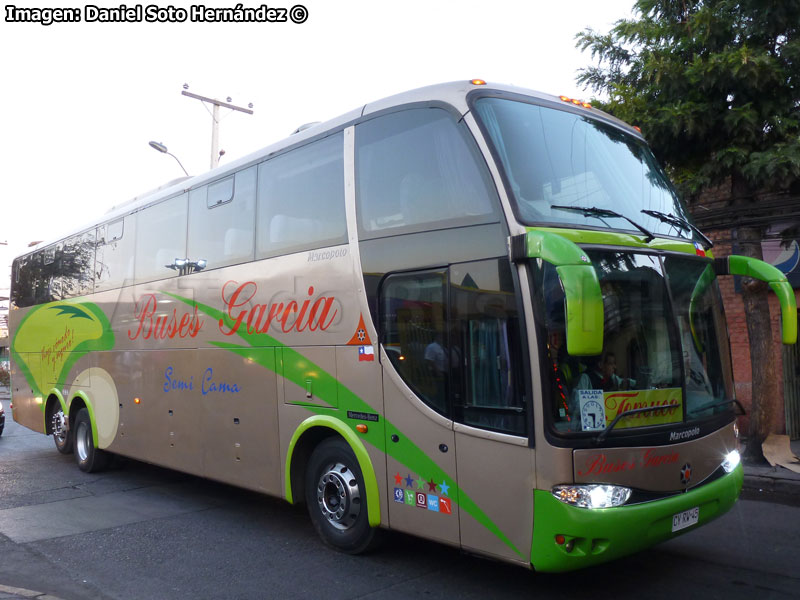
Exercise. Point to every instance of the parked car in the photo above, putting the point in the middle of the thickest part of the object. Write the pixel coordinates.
(2, 419)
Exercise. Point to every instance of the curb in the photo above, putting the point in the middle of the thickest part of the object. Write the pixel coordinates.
(772, 484)
(9, 592)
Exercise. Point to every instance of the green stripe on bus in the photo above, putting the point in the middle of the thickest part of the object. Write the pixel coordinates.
(612, 238)
(412, 457)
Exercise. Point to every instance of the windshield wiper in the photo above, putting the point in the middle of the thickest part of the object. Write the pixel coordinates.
(678, 222)
(604, 212)
(633, 411)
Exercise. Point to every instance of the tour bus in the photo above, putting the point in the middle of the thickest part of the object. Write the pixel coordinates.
(473, 313)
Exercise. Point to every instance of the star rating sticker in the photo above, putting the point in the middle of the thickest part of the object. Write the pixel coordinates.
(398, 479)
(420, 484)
(409, 481)
(431, 485)
(445, 489)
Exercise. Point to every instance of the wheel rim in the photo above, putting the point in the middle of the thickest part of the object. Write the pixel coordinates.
(338, 496)
(82, 441)
(59, 428)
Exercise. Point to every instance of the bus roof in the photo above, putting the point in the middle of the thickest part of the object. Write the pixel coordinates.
(452, 93)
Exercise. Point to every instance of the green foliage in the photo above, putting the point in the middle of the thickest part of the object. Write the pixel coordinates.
(5, 377)
(713, 84)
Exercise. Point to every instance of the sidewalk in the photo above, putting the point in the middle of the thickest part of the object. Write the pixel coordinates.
(778, 484)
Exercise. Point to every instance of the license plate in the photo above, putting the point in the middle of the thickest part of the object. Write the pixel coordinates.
(685, 519)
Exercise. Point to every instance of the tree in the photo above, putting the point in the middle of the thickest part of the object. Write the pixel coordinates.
(715, 87)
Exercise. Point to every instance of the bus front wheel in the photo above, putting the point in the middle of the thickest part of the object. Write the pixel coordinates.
(336, 497)
(89, 458)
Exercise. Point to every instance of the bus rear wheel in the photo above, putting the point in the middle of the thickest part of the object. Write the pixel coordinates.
(62, 436)
(336, 497)
(89, 458)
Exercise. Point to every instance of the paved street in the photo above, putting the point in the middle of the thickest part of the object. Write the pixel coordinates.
(140, 532)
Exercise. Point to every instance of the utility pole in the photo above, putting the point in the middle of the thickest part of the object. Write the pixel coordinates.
(215, 119)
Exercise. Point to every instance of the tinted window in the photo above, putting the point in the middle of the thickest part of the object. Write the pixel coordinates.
(27, 270)
(485, 342)
(418, 170)
(115, 253)
(73, 272)
(556, 158)
(161, 238)
(222, 219)
(413, 315)
(301, 199)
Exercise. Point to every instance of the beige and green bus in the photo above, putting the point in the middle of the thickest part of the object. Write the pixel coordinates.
(473, 313)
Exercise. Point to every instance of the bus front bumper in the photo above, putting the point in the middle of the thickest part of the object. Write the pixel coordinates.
(593, 536)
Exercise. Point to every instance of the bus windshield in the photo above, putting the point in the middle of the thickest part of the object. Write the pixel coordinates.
(664, 345)
(561, 167)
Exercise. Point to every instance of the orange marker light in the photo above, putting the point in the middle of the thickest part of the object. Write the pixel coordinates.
(564, 98)
(560, 539)
(478, 82)
(137, 401)
(361, 428)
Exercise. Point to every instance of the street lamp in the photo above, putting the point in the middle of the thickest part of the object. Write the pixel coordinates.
(163, 149)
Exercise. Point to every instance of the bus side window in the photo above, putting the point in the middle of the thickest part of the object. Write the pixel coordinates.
(72, 271)
(487, 385)
(161, 238)
(113, 265)
(301, 199)
(221, 220)
(413, 333)
(23, 289)
(419, 170)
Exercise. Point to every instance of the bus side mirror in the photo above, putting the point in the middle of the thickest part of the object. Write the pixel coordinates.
(763, 271)
(584, 300)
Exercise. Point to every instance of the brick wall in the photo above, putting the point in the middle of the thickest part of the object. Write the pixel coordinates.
(709, 210)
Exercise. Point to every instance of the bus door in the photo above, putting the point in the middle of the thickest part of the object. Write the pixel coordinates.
(453, 336)
(494, 460)
(420, 448)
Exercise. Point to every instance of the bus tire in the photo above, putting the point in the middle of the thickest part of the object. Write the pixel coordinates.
(62, 435)
(89, 458)
(336, 497)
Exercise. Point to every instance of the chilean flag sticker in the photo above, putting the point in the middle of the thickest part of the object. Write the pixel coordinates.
(366, 353)
(699, 250)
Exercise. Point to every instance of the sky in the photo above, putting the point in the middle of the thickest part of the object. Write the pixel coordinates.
(80, 101)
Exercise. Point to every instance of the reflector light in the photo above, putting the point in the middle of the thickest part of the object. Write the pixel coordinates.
(637, 128)
(478, 82)
(575, 101)
(560, 539)
(361, 428)
(136, 400)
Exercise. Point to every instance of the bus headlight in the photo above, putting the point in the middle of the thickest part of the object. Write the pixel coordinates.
(592, 495)
(732, 460)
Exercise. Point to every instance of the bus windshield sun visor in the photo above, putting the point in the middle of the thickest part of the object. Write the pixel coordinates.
(763, 271)
(584, 300)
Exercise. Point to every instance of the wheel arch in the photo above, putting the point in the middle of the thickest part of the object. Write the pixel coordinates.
(54, 400)
(306, 437)
(81, 400)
